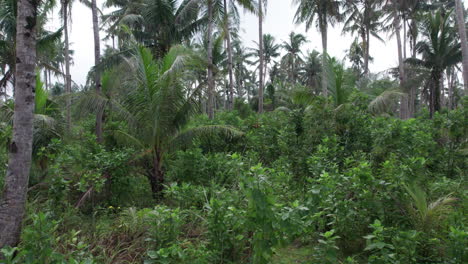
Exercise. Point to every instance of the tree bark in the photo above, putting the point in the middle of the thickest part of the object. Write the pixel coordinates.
(324, 32)
(261, 56)
(366, 41)
(156, 176)
(229, 50)
(211, 83)
(65, 5)
(97, 75)
(12, 203)
(401, 66)
(434, 103)
(463, 38)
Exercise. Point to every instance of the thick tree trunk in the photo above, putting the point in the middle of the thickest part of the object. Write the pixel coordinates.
(323, 31)
(65, 5)
(211, 83)
(229, 50)
(97, 76)
(156, 177)
(12, 203)
(261, 58)
(401, 65)
(463, 38)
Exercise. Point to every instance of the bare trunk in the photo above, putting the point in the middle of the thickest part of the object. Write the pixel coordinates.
(323, 31)
(97, 76)
(462, 32)
(229, 50)
(434, 104)
(12, 203)
(156, 177)
(366, 40)
(401, 66)
(65, 4)
(260, 48)
(211, 83)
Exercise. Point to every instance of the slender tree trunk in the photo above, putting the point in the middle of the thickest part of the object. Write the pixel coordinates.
(462, 32)
(211, 82)
(366, 40)
(65, 5)
(434, 104)
(401, 65)
(404, 38)
(12, 202)
(97, 76)
(324, 32)
(229, 50)
(46, 81)
(261, 58)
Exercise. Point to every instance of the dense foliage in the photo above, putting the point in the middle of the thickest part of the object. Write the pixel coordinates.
(343, 166)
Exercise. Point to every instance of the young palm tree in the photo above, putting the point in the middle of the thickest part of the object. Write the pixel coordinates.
(439, 51)
(158, 109)
(327, 12)
(311, 70)
(462, 32)
(12, 203)
(293, 52)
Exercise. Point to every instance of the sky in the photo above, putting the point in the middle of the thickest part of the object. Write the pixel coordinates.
(278, 22)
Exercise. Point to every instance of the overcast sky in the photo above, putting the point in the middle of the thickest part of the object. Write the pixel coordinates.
(279, 23)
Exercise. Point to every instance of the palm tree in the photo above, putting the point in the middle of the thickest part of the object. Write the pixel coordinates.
(97, 59)
(327, 12)
(311, 70)
(365, 21)
(439, 51)
(158, 109)
(261, 9)
(248, 5)
(65, 12)
(268, 52)
(293, 51)
(462, 32)
(12, 203)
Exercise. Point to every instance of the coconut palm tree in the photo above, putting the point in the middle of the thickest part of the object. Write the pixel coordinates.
(158, 108)
(311, 70)
(364, 18)
(65, 13)
(462, 33)
(248, 5)
(292, 57)
(97, 59)
(323, 12)
(13, 199)
(261, 13)
(265, 54)
(440, 50)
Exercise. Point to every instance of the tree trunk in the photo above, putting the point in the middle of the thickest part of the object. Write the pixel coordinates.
(229, 50)
(261, 58)
(401, 66)
(464, 44)
(65, 4)
(434, 103)
(366, 42)
(12, 203)
(211, 83)
(156, 177)
(323, 31)
(97, 76)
